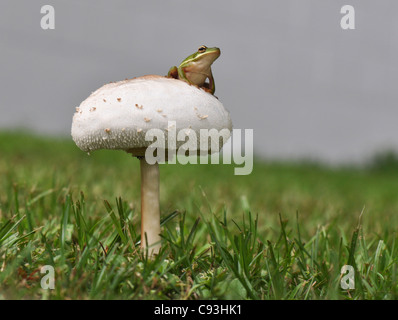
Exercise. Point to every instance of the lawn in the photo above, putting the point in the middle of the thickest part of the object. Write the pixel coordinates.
(283, 232)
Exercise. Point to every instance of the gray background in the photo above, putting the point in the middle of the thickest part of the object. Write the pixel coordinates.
(307, 88)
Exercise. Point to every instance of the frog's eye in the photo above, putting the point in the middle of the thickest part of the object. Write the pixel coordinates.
(202, 49)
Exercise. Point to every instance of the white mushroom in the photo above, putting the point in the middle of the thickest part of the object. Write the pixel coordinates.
(126, 110)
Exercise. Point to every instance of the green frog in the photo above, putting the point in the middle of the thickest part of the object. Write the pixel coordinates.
(196, 68)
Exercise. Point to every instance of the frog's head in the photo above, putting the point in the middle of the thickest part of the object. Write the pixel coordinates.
(204, 55)
(204, 51)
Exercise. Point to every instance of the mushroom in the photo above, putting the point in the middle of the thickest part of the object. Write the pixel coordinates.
(127, 110)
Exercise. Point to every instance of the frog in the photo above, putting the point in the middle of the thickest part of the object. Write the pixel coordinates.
(196, 69)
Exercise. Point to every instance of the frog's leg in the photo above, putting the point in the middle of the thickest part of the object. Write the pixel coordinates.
(182, 76)
(173, 73)
(211, 86)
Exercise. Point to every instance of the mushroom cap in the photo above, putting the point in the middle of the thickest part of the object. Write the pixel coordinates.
(118, 115)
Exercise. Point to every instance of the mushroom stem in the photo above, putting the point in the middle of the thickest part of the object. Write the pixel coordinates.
(150, 211)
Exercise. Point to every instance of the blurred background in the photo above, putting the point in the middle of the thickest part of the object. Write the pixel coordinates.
(287, 70)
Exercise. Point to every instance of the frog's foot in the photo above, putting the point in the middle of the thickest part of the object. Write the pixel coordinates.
(206, 87)
(208, 90)
(173, 73)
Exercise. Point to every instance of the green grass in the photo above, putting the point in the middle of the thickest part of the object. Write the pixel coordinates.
(283, 232)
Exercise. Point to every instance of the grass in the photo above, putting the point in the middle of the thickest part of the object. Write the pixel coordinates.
(283, 232)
